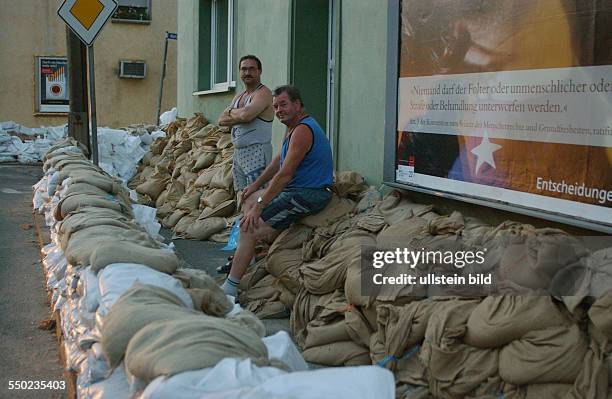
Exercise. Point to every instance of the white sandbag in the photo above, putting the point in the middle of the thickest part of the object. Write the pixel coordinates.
(114, 387)
(117, 278)
(228, 374)
(281, 347)
(235, 379)
(145, 216)
(90, 290)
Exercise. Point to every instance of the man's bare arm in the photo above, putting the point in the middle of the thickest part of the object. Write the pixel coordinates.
(261, 101)
(301, 141)
(225, 118)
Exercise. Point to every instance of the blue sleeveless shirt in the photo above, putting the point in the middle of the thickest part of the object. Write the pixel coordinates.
(316, 169)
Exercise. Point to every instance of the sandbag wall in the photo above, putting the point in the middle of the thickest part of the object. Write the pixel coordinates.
(450, 342)
(111, 280)
(187, 176)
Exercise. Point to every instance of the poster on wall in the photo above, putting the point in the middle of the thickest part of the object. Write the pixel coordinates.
(508, 101)
(52, 84)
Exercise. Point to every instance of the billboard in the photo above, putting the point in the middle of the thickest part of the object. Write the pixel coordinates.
(508, 101)
(52, 84)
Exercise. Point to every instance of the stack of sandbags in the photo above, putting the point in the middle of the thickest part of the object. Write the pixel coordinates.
(269, 290)
(97, 226)
(187, 176)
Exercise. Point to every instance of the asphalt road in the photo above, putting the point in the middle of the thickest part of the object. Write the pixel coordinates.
(26, 352)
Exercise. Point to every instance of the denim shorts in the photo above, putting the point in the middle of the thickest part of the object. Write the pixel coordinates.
(293, 204)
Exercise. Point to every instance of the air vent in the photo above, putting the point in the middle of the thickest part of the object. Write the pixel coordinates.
(132, 69)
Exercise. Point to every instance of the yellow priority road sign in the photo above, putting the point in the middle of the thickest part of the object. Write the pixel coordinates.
(86, 17)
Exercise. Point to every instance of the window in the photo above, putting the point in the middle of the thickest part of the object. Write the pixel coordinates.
(133, 11)
(216, 45)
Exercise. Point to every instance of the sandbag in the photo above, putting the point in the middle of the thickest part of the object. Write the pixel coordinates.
(189, 201)
(497, 321)
(139, 306)
(213, 302)
(600, 314)
(191, 343)
(215, 197)
(346, 353)
(172, 219)
(202, 229)
(544, 356)
(349, 183)
(224, 209)
(223, 177)
(153, 186)
(335, 209)
(206, 177)
(204, 160)
(77, 201)
(130, 252)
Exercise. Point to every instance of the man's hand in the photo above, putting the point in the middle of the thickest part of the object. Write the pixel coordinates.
(251, 220)
(246, 193)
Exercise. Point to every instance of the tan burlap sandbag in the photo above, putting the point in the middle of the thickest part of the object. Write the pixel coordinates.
(192, 342)
(215, 197)
(326, 334)
(349, 184)
(224, 209)
(281, 260)
(396, 209)
(600, 314)
(130, 252)
(225, 140)
(223, 177)
(544, 356)
(206, 177)
(175, 192)
(346, 353)
(204, 160)
(103, 182)
(190, 201)
(77, 201)
(75, 222)
(335, 209)
(137, 307)
(154, 185)
(173, 218)
(305, 308)
(497, 321)
(202, 229)
(82, 243)
(211, 302)
(455, 369)
(161, 199)
(186, 221)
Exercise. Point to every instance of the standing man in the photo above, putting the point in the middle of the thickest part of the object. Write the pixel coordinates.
(299, 178)
(250, 116)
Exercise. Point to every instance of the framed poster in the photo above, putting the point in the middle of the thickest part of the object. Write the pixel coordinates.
(506, 103)
(52, 84)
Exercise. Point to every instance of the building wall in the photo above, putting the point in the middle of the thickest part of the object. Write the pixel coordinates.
(362, 80)
(32, 28)
(261, 28)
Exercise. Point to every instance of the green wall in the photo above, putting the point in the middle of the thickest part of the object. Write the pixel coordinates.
(261, 28)
(362, 78)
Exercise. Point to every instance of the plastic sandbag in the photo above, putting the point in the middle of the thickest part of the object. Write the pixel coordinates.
(117, 278)
(145, 216)
(281, 347)
(114, 387)
(168, 117)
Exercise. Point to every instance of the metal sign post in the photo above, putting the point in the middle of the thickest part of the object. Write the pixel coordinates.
(86, 19)
(169, 36)
(92, 104)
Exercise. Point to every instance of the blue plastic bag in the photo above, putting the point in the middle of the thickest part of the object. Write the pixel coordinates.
(232, 243)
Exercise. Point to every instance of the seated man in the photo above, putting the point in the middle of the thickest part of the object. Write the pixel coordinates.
(299, 180)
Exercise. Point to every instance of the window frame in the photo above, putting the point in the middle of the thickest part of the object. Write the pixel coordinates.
(135, 21)
(208, 47)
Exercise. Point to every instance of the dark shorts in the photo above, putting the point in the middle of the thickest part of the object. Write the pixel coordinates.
(293, 204)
